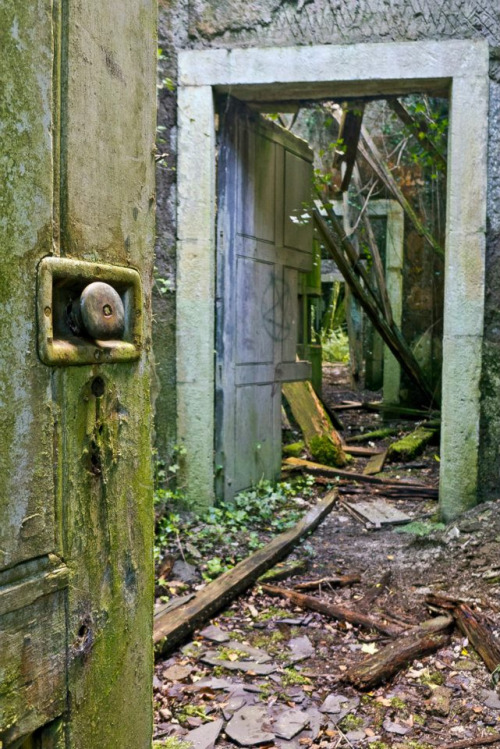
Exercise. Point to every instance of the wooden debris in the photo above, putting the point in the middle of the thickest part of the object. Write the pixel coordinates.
(473, 626)
(375, 464)
(376, 434)
(375, 590)
(172, 627)
(376, 512)
(317, 468)
(320, 436)
(410, 446)
(340, 248)
(491, 738)
(342, 582)
(362, 452)
(341, 613)
(476, 629)
(415, 643)
(284, 570)
(349, 133)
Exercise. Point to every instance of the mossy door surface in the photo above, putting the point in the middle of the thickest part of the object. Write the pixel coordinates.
(264, 241)
(77, 171)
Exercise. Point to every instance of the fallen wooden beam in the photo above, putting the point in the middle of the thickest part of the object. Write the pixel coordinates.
(341, 581)
(331, 610)
(316, 468)
(308, 411)
(491, 738)
(170, 629)
(415, 643)
(479, 634)
(358, 451)
(473, 626)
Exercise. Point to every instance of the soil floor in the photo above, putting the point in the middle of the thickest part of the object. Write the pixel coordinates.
(266, 672)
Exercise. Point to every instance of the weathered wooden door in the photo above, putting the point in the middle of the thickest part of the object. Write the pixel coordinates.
(264, 241)
(77, 119)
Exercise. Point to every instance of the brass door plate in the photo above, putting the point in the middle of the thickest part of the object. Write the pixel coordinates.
(60, 284)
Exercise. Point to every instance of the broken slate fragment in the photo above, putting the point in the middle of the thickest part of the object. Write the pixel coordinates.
(338, 706)
(391, 727)
(215, 634)
(290, 723)
(250, 727)
(355, 735)
(184, 572)
(256, 654)
(491, 699)
(205, 736)
(252, 667)
(301, 648)
(177, 673)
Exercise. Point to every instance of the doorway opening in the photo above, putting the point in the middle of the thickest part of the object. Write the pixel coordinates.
(272, 79)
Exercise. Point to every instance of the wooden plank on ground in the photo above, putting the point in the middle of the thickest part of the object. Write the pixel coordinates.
(358, 451)
(376, 512)
(173, 627)
(376, 463)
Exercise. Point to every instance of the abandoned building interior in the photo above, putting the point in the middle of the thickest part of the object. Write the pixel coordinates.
(249, 305)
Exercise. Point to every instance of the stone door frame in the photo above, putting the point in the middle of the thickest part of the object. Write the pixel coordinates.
(280, 75)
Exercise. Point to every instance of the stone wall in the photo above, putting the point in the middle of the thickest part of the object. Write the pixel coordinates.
(231, 24)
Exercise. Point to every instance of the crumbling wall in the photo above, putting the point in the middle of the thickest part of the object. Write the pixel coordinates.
(231, 24)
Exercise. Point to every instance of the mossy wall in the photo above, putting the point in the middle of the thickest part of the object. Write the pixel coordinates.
(211, 23)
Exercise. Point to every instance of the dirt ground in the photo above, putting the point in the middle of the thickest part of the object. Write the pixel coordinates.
(266, 672)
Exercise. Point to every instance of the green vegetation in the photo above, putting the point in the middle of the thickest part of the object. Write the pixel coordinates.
(172, 742)
(351, 722)
(291, 678)
(335, 345)
(421, 527)
(236, 528)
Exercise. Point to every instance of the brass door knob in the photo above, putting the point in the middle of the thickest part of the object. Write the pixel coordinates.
(102, 311)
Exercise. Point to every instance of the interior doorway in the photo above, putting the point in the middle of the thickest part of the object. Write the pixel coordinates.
(271, 78)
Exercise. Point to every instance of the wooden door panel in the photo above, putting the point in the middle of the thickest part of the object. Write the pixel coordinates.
(297, 179)
(32, 646)
(254, 342)
(256, 426)
(257, 280)
(258, 187)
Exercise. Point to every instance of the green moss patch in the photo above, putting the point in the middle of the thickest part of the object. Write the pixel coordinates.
(410, 446)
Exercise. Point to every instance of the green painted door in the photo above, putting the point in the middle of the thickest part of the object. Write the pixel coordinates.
(77, 118)
(264, 242)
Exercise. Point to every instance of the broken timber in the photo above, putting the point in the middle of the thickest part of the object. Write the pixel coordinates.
(328, 471)
(342, 581)
(320, 436)
(473, 626)
(341, 613)
(171, 628)
(415, 643)
(356, 276)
